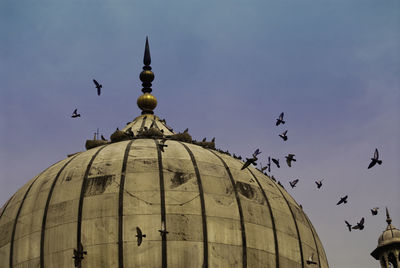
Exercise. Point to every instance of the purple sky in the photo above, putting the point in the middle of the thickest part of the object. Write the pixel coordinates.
(224, 69)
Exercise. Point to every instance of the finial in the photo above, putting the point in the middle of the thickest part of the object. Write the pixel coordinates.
(147, 102)
(388, 219)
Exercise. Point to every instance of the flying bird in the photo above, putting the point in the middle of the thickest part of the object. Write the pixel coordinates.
(256, 152)
(342, 200)
(348, 225)
(276, 162)
(280, 120)
(310, 260)
(319, 183)
(139, 236)
(289, 159)
(249, 161)
(102, 138)
(374, 211)
(375, 159)
(293, 183)
(75, 114)
(360, 225)
(283, 135)
(98, 86)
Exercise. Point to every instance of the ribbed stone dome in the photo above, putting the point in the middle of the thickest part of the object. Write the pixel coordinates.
(214, 214)
(389, 236)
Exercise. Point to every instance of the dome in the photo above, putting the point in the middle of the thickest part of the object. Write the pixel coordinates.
(155, 200)
(389, 236)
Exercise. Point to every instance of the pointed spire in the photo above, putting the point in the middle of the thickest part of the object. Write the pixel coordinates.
(147, 102)
(147, 57)
(388, 219)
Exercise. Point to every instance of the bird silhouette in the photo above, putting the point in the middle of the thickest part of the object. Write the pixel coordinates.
(276, 162)
(283, 135)
(130, 133)
(375, 159)
(256, 152)
(186, 130)
(263, 168)
(249, 161)
(163, 231)
(342, 200)
(374, 211)
(269, 164)
(139, 236)
(213, 139)
(78, 255)
(310, 259)
(359, 225)
(102, 137)
(293, 183)
(280, 184)
(204, 140)
(280, 120)
(289, 159)
(75, 114)
(319, 183)
(98, 86)
(348, 225)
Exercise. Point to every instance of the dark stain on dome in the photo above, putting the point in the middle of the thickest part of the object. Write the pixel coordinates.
(245, 189)
(179, 179)
(97, 185)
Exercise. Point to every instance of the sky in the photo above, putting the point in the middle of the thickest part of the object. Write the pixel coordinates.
(223, 69)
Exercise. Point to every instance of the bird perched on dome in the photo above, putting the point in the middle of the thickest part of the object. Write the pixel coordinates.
(375, 159)
(289, 159)
(280, 120)
(310, 259)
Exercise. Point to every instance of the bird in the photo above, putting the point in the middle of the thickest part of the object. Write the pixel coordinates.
(249, 161)
(162, 144)
(130, 133)
(348, 225)
(374, 211)
(263, 168)
(269, 164)
(342, 200)
(310, 259)
(293, 183)
(256, 152)
(280, 184)
(213, 139)
(375, 159)
(289, 159)
(280, 120)
(204, 140)
(163, 230)
(102, 137)
(98, 86)
(360, 225)
(283, 135)
(186, 130)
(75, 114)
(319, 183)
(139, 236)
(273, 178)
(276, 162)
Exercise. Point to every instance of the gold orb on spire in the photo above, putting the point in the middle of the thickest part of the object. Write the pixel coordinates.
(147, 103)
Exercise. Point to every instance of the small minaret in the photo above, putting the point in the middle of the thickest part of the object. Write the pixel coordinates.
(388, 249)
(147, 102)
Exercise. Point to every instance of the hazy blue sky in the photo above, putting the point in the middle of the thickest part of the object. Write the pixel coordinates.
(224, 69)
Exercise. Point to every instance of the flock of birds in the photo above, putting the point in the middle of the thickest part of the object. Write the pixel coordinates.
(291, 158)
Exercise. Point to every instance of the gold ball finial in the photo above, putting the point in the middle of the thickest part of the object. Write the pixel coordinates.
(147, 103)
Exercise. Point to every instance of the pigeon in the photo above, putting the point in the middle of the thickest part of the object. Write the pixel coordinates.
(256, 152)
(283, 135)
(162, 144)
(348, 225)
(75, 114)
(310, 259)
(280, 184)
(319, 183)
(186, 130)
(360, 225)
(276, 162)
(280, 120)
(98, 86)
(289, 159)
(263, 168)
(249, 161)
(273, 178)
(293, 183)
(375, 159)
(374, 211)
(102, 137)
(213, 139)
(342, 200)
(130, 133)
(204, 140)
(139, 236)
